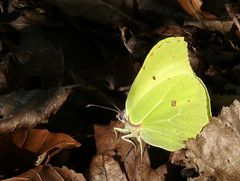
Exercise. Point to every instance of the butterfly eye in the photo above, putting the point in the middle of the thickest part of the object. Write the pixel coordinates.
(121, 116)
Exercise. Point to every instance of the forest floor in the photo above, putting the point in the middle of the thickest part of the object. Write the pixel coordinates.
(59, 57)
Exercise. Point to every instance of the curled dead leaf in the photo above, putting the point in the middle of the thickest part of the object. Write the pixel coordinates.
(27, 109)
(49, 173)
(136, 47)
(21, 148)
(108, 148)
(193, 7)
(105, 168)
(104, 12)
(215, 153)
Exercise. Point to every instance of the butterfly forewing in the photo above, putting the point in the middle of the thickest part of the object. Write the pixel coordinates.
(167, 59)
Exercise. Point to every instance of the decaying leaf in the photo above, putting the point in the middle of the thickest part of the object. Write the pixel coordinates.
(43, 66)
(212, 25)
(29, 108)
(47, 43)
(215, 154)
(49, 173)
(135, 46)
(105, 168)
(107, 146)
(193, 7)
(208, 14)
(104, 12)
(21, 149)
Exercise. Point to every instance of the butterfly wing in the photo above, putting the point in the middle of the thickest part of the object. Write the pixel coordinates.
(180, 114)
(167, 98)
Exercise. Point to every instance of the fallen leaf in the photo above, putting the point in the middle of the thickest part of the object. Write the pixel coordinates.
(6, 72)
(177, 157)
(49, 173)
(136, 47)
(104, 12)
(45, 59)
(215, 153)
(156, 13)
(22, 56)
(29, 108)
(193, 7)
(107, 144)
(21, 148)
(105, 168)
(212, 25)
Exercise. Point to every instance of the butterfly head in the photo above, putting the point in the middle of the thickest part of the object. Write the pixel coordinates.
(122, 116)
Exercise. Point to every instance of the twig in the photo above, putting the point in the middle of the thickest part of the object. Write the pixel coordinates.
(231, 13)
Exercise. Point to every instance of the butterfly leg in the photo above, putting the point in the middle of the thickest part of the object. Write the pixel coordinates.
(141, 147)
(120, 130)
(126, 138)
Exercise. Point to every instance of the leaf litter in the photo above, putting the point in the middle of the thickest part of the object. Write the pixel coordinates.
(46, 45)
(49, 173)
(29, 108)
(111, 150)
(215, 153)
(25, 148)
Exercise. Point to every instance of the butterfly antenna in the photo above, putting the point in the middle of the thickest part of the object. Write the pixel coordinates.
(112, 104)
(115, 106)
(103, 107)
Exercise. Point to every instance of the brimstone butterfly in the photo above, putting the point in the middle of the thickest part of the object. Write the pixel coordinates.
(167, 103)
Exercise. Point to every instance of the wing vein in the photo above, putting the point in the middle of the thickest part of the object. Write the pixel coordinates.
(157, 131)
(160, 81)
(159, 102)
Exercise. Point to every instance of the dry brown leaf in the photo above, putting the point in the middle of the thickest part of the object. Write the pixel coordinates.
(215, 153)
(136, 47)
(104, 12)
(22, 56)
(27, 109)
(41, 58)
(105, 168)
(49, 172)
(21, 148)
(212, 25)
(193, 7)
(107, 144)
(6, 72)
